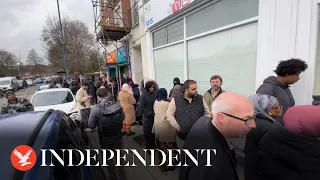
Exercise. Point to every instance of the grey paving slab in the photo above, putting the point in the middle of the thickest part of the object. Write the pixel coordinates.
(141, 172)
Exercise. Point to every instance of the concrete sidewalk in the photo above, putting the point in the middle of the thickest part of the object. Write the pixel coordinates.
(141, 172)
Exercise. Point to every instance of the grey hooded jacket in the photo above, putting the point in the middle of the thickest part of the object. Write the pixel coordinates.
(272, 86)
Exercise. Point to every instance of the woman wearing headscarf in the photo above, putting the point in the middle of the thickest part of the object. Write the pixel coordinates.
(176, 90)
(127, 102)
(293, 151)
(266, 108)
(176, 81)
(146, 103)
(164, 132)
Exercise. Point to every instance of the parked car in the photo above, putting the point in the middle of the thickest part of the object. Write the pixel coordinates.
(48, 79)
(47, 86)
(41, 130)
(39, 81)
(31, 82)
(57, 99)
(9, 83)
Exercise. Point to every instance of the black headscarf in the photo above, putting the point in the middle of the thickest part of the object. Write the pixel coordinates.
(162, 95)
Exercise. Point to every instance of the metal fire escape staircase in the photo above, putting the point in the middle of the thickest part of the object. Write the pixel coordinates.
(112, 25)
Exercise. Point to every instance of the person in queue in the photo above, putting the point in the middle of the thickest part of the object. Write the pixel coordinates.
(146, 103)
(109, 128)
(267, 108)
(185, 109)
(127, 102)
(15, 105)
(288, 73)
(232, 117)
(215, 90)
(176, 90)
(83, 104)
(165, 134)
(292, 151)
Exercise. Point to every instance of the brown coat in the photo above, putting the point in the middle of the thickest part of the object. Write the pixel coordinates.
(127, 102)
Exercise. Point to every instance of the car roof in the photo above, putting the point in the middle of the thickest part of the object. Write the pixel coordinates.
(17, 129)
(53, 90)
(6, 78)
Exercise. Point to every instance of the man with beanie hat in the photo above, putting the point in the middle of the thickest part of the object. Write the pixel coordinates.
(15, 105)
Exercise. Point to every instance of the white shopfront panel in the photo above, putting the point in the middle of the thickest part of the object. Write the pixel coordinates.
(231, 54)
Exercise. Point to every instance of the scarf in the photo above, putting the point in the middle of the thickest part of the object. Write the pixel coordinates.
(262, 103)
(162, 95)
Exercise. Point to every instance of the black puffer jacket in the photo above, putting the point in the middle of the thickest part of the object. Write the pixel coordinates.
(146, 103)
(316, 100)
(285, 155)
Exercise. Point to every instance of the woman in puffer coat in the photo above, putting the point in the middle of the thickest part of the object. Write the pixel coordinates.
(127, 102)
(146, 103)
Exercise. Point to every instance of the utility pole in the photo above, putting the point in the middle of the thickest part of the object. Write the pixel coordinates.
(18, 64)
(63, 44)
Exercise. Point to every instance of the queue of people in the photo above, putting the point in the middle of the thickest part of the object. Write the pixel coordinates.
(282, 140)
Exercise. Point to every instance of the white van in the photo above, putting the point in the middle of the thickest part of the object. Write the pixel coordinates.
(9, 83)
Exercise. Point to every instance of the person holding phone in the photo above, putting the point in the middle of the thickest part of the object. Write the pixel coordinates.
(83, 104)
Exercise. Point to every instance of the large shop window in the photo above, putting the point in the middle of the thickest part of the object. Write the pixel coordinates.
(231, 54)
(168, 65)
(220, 14)
(169, 34)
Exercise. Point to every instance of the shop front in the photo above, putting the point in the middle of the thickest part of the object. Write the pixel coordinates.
(219, 37)
(117, 64)
(242, 41)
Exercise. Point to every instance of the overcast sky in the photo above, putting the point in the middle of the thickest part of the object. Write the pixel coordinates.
(22, 21)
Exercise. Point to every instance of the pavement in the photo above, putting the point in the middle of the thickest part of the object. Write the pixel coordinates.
(23, 93)
(150, 173)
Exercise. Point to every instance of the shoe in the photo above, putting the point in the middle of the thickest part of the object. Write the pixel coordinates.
(131, 133)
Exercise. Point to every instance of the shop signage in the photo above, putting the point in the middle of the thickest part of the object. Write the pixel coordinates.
(112, 58)
(121, 55)
(156, 10)
(118, 56)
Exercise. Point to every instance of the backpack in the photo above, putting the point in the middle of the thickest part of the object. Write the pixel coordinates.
(111, 121)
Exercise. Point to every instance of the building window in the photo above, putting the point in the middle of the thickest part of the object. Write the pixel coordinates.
(169, 34)
(135, 12)
(232, 54)
(221, 14)
(118, 16)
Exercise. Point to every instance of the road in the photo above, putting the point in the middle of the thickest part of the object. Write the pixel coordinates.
(23, 93)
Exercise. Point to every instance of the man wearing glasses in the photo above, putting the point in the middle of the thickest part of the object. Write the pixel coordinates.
(232, 117)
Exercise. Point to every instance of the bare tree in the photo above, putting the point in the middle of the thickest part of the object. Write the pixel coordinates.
(8, 63)
(78, 42)
(34, 59)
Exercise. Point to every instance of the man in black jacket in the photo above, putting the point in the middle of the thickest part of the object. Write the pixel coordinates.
(109, 131)
(288, 73)
(232, 117)
(185, 109)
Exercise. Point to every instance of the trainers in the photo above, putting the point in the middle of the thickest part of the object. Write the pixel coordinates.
(131, 133)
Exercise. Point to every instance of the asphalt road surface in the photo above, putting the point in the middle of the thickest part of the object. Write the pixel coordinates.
(23, 93)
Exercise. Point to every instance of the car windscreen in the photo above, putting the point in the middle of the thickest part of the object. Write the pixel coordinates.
(4, 82)
(52, 98)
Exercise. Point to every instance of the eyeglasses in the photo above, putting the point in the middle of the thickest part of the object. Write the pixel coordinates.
(246, 121)
(278, 107)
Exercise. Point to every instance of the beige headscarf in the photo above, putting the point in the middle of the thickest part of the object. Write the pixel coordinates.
(126, 88)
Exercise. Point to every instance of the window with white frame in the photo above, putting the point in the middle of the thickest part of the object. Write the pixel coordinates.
(169, 34)
(135, 12)
(220, 14)
(231, 53)
(168, 64)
